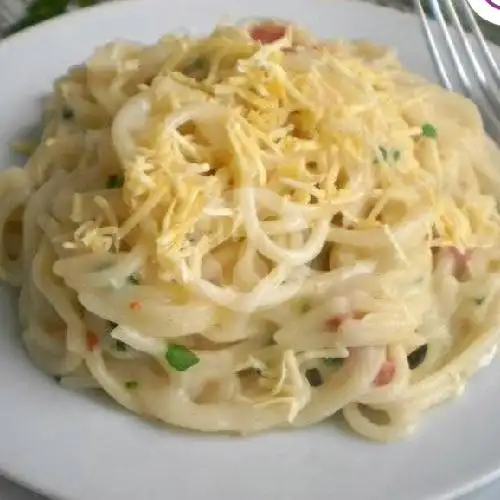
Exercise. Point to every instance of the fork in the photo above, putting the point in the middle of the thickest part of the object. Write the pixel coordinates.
(470, 59)
(10, 12)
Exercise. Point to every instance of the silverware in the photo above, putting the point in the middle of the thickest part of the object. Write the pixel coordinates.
(461, 56)
(10, 12)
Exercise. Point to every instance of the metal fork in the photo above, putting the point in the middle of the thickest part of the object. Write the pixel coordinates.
(10, 12)
(470, 59)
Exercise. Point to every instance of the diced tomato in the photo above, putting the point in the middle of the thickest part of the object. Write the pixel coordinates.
(386, 374)
(335, 322)
(92, 341)
(267, 32)
(135, 305)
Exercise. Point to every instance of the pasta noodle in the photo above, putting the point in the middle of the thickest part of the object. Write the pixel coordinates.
(257, 229)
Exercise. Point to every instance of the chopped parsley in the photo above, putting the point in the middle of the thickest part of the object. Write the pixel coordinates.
(429, 131)
(389, 155)
(314, 377)
(115, 182)
(68, 113)
(304, 306)
(479, 300)
(180, 358)
(57, 378)
(417, 357)
(133, 279)
(131, 384)
(383, 152)
(333, 361)
(120, 346)
(198, 68)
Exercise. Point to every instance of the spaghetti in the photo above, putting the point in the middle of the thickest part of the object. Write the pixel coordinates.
(257, 229)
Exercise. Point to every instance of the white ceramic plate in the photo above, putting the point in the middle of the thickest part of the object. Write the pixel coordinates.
(73, 446)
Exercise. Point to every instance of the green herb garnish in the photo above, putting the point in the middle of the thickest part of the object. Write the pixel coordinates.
(180, 358)
(197, 68)
(131, 384)
(429, 131)
(57, 378)
(120, 346)
(68, 113)
(115, 182)
(389, 155)
(333, 361)
(479, 300)
(133, 279)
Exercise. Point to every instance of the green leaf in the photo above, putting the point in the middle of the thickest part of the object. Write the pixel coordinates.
(57, 378)
(479, 300)
(429, 130)
(180, 358)
(115, 182)
(131, 384)
(396, 154)
(120, 346)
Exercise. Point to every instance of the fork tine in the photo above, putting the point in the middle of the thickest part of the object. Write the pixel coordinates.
(471, 19)
(433, 48)
(445, 29)
(491, 119)
(483, 82)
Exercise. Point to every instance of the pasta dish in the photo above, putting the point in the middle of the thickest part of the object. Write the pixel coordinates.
(257, 229)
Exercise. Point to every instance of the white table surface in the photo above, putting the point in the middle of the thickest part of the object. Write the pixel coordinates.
(11, 491)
